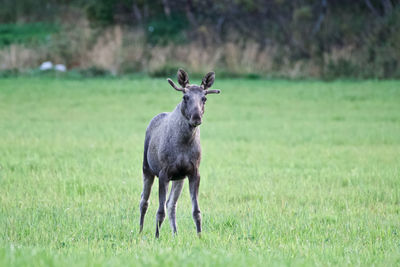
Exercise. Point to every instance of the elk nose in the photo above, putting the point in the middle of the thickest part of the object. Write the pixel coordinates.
(196, 119)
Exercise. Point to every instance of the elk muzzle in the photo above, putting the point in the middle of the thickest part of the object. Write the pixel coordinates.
(195, 119)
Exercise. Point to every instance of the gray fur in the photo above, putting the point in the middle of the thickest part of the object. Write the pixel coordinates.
(172, 151)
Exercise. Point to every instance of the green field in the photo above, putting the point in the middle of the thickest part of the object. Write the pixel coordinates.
(293, 173)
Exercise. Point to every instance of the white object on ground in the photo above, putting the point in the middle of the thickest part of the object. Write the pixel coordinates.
(46, 66)
(60, 67)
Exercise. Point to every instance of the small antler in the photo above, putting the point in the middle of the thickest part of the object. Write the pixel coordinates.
(174, 86)
(213, 91)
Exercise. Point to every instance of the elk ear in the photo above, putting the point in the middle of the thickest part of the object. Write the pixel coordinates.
(183, 78)
(208, 80)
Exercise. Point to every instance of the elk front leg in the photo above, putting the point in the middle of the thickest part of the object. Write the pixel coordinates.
(162, 195)
(194, 183)
(176, 190)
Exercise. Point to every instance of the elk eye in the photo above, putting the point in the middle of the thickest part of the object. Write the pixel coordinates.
(204, 99)
(185, 98)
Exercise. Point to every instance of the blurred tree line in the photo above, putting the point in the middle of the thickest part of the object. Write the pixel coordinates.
(304, 29)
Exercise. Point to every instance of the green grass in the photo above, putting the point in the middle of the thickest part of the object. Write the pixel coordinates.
(293, 173)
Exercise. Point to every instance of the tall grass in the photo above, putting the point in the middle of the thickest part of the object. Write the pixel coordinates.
(293, 173)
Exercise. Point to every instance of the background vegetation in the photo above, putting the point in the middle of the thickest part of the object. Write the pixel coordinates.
(296, 38)
(293, 173)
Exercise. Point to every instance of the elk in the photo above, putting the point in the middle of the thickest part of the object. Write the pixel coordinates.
(172, 151)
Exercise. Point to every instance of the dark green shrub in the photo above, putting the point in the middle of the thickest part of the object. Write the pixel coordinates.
(32, 33)
(340, 69)
(94, 72)
(100, 13)
(9, 73)
(162, 30)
